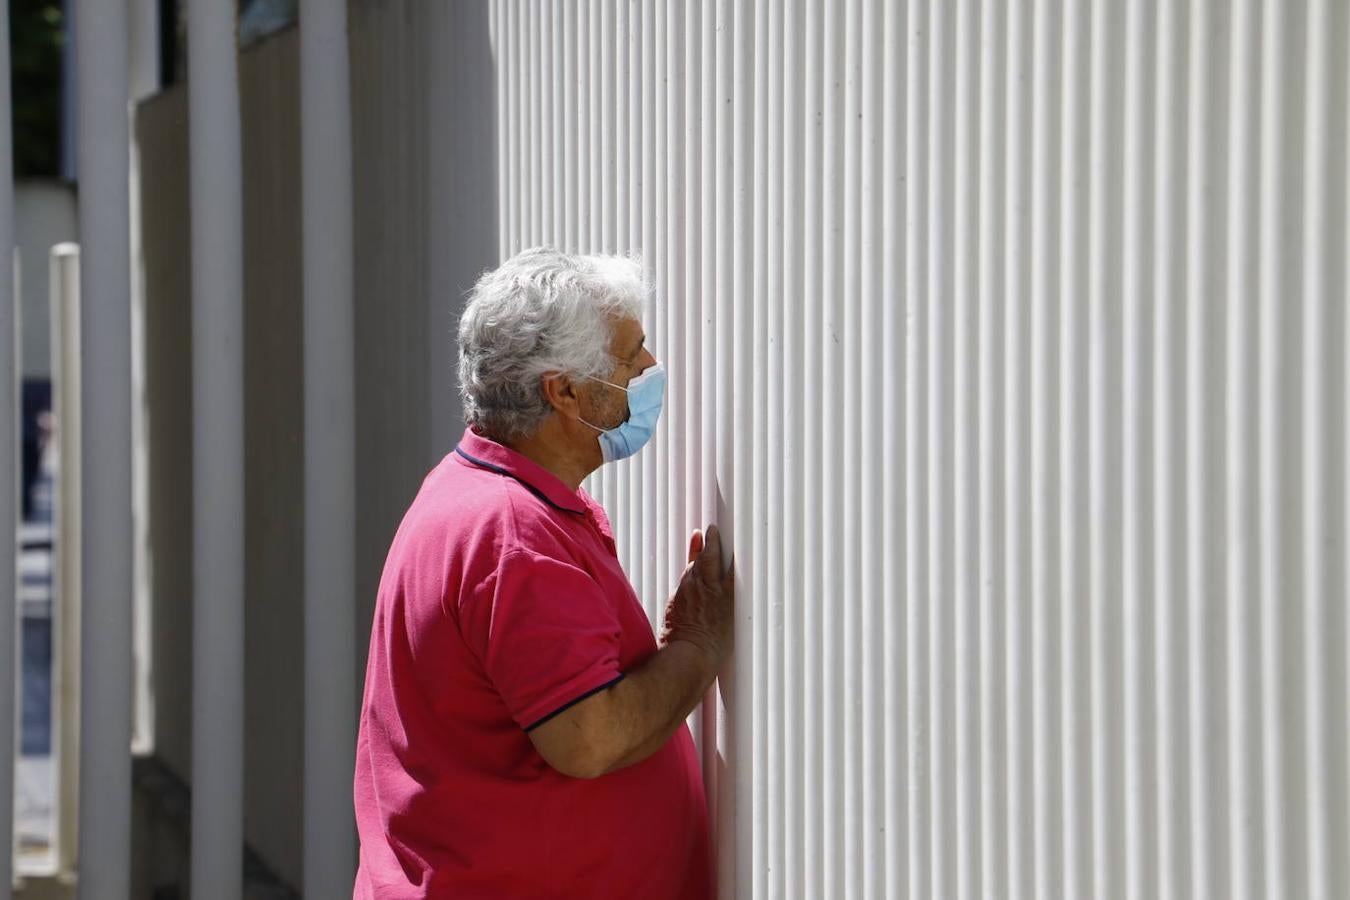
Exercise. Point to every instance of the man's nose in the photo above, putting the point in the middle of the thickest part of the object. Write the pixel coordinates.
(646, 360)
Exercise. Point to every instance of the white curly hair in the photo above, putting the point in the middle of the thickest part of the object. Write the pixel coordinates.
(540, 311)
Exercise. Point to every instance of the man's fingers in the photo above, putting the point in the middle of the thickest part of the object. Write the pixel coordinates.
(712, 537)
(695, 544)
(711, 558)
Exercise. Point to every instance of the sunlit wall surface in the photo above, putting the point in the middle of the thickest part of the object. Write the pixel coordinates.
(1007, 343)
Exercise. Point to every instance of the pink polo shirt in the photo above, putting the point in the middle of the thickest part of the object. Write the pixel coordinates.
(503, 603)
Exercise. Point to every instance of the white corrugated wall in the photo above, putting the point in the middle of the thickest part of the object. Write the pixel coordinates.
(1007, 345)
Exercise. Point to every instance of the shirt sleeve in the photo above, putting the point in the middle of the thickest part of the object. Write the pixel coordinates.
(553, 637)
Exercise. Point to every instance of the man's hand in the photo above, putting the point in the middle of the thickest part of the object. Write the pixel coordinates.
(702, 611)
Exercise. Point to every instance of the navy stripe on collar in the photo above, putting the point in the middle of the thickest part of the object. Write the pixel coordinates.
(531, 488)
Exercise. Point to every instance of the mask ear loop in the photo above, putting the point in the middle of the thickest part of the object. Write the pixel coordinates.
(610, 383)
(596, 427)
(617, 388)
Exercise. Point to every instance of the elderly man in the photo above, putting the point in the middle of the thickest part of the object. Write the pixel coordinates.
(522, 735)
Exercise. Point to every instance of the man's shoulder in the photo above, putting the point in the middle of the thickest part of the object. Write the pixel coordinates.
(485, 512)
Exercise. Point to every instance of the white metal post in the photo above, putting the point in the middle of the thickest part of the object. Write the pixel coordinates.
(143, 78)
(105, 710)
(9, 301)
(330, 451)
(218, 453)
(143, 61)
(65, 323)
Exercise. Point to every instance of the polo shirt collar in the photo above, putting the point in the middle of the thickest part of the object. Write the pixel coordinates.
(485, 453)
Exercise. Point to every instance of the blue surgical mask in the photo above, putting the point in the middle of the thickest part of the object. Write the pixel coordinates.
(646, 394)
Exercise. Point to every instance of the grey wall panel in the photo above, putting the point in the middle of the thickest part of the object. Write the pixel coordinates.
(389, 130)
(424, 107)
(161, 133)
(274, 457)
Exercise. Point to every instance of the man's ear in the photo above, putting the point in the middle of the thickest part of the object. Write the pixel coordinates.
(561, 392)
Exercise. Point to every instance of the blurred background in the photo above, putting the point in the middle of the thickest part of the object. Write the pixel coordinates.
(409, 414)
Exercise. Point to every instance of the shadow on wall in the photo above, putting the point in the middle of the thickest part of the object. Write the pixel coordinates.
(423, 97)
(424, 120)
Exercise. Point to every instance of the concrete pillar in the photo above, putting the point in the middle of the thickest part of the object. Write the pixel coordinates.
(217, 453)
(330, 450)
(9, 301)
(105, 388)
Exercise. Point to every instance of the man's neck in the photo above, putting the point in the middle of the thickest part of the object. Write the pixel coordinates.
(548, 447)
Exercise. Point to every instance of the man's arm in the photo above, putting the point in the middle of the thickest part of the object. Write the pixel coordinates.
(627, 723)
